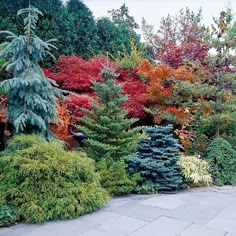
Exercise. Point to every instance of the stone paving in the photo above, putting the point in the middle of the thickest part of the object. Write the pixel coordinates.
(209, 211)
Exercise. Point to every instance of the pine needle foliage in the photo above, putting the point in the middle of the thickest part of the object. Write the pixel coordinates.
(156, 160)
(44, 182)
(110, 138)
(31, 96)
(109, 133)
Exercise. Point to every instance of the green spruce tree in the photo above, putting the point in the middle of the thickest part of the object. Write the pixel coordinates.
(110, 138)
(31, 96)
(156, 160)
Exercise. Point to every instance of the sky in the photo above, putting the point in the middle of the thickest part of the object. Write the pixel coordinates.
(154, 10)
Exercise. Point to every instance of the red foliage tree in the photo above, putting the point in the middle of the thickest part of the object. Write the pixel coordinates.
(178, 38)
(134, 87)
(77, 75)
(75, 102)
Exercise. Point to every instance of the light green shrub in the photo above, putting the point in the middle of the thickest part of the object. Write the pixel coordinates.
(195, 170)
(45, 182)
(114, 177)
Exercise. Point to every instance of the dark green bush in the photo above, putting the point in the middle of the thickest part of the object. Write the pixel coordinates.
(45, 182)
(114, 177)
(8, 215)
(222, 159)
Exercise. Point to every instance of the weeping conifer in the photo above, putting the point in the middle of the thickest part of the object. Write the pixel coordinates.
(31, 96)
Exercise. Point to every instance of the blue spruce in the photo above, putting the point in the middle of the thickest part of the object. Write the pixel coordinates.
(156, 160)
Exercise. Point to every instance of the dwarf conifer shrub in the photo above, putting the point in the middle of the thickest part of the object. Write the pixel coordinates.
(45, 182)
(156, 160)
(222, 159)
(114, 177)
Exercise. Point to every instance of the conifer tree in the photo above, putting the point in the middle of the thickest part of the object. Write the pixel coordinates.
(110, 138)
(114, 38)
(156, 159)
(31, 96)
(85, 28)
(109, 133)
(51, 24)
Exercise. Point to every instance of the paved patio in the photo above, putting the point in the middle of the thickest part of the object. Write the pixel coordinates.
(194, 212)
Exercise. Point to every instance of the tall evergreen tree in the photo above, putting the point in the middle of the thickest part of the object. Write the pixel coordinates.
(156, 159)
(51, 24)
(85, 28)
(31, 96)
(110, 138)
(114, 38)
(121, 17)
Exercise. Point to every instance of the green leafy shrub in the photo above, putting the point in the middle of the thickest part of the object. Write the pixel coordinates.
(8, 215)
(114, 177)
(45, 182)
(195, 170)
(222, 159)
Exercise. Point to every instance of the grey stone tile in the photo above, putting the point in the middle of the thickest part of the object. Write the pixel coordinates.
(199, 230)
(164, 201)
(6, 232)
(216, 201)
(95, 232)
(223, 224)
(112, 205)
(139, 211)
(122, 226)
(229, 212)
(194, 213)
(60, 228)
(99, 217)
(18, 230)
(130, 197)
(230, 234)
(162, 226)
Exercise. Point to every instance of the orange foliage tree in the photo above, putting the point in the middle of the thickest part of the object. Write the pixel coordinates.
(173, 94)
(61, 129)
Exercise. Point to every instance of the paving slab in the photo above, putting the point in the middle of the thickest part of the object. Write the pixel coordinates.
(122, 226)
(99, 217)
(164, 201)
(95, 232)
(228, 225)
(200, 230)
(139, 211)
(163, 226)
